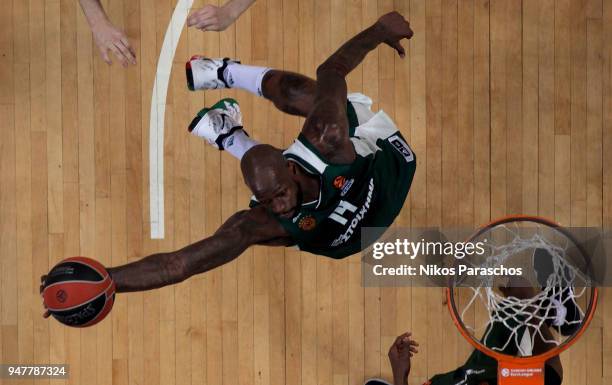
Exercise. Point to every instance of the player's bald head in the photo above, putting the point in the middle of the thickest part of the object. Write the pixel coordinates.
(271, 179)
(262, 166)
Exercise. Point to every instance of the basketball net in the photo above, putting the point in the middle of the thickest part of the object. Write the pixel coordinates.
(525, 319)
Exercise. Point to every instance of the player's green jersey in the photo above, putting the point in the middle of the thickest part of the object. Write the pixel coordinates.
(369, 192)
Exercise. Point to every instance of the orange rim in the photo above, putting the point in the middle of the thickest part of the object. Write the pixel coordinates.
(450, 301)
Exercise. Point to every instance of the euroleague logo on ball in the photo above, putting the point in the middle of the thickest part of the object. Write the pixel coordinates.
(505, 372)
(61, 296)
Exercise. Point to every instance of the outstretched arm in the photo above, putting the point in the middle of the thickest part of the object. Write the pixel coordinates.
(243, 229)
(327, 125)
(106, 35)
(389, 29)
(213, 18)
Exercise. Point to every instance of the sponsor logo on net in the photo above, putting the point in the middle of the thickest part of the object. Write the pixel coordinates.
(520, 372)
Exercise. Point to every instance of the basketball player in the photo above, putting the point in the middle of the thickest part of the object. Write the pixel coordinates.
(479, 369)
(349, 167)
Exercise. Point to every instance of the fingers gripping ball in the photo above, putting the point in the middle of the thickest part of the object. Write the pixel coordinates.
(78, 292)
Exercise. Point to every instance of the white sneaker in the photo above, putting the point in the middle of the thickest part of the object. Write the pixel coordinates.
(205, 74)
(217, 122)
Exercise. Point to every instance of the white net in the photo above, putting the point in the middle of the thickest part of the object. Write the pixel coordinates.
(551, 294)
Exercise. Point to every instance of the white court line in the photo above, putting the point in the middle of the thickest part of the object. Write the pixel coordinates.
(158, 112)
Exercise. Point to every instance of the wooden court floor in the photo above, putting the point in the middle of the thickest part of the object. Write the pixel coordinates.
(507, 103)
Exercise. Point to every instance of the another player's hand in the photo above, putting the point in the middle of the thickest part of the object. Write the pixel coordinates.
(211, 18)
(394, 28)
(46, 314)
(399, 355)
(110, 38)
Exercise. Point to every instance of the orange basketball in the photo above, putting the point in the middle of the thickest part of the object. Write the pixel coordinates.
(79, 292)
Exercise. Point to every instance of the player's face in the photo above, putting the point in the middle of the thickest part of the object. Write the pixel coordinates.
(280, 195)
(282, 202)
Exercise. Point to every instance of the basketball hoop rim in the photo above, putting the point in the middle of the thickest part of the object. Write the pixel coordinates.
(539, 359)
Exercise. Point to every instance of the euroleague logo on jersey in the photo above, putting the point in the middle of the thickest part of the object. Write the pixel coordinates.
(339, 181)
(307, 223)
(343, 184)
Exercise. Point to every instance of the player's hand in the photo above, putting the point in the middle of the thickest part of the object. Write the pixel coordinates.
(399, 355)
(110, 38)
(211, 18)
(46, 314)
(394, 28)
